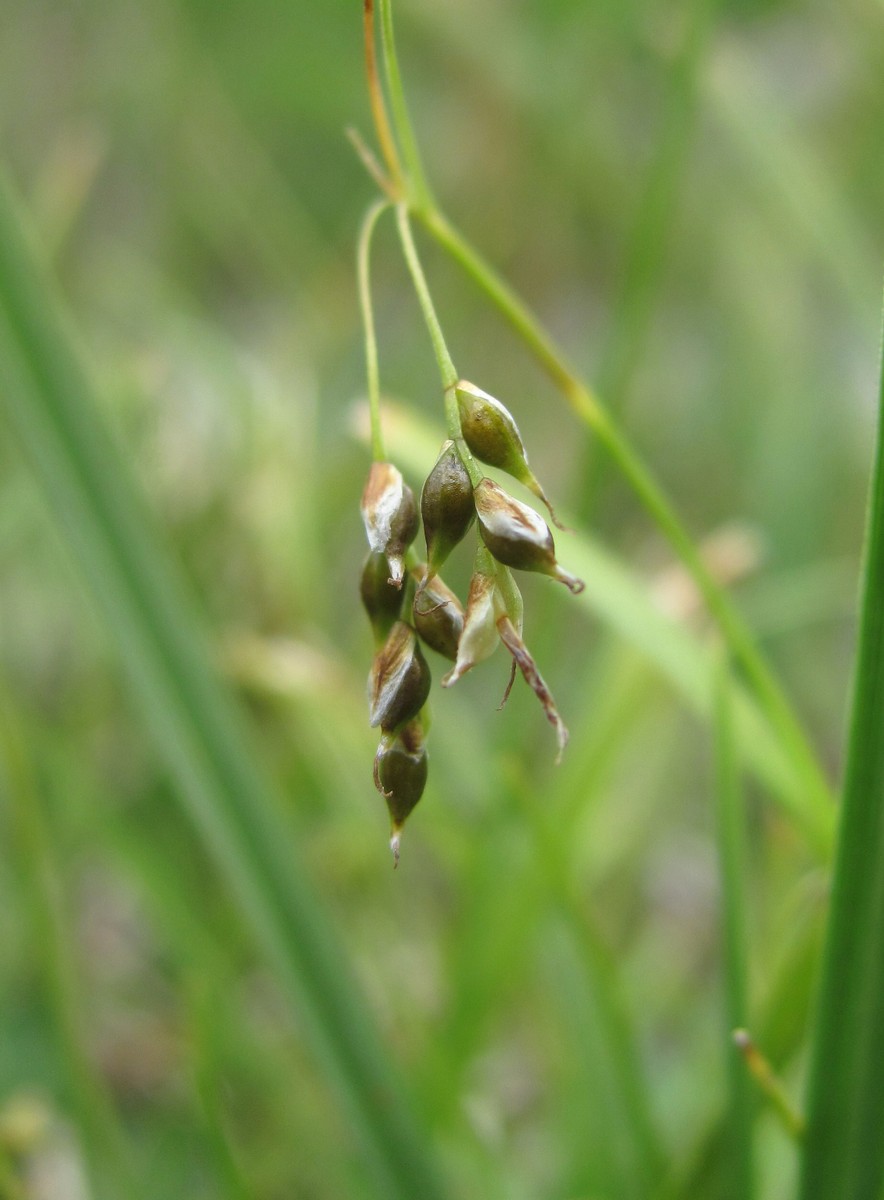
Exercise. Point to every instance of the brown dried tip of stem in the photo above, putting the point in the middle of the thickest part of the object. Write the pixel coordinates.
(541, 496)
(526, 664)
(509, 686)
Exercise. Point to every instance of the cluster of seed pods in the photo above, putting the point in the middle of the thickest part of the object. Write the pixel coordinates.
(408, 603)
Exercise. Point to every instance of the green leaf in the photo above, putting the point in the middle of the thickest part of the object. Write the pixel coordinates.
(843, 1150)
(47, 401)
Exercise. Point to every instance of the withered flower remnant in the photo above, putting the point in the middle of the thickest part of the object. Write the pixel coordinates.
(389, 514)
(494, 614)
(399, 682)
(511, 638)
(491, 433)
(480, 638)
(446, 507)
(438, 615)
(516, 535)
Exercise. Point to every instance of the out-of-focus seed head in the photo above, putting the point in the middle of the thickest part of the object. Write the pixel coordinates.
(438, 615)
(401, 775)
(399, 682)
(381, 599)
(446, 507)
(492, 435)
(480, 636)
(516, 535)
(389, 514)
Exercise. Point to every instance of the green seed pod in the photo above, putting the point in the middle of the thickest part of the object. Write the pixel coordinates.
(516, 535)
(399, 682)
(381, 599)
(493, 436)
(400, 773)
(446, 507)
(438, 616)
(390, 516)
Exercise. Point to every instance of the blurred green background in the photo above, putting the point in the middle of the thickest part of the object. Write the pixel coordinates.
(690, 196)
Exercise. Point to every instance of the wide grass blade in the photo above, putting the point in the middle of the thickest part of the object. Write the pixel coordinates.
(843, 1150)
(46, 400)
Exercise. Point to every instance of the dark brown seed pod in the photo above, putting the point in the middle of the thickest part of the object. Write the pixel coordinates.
(399, 682)
(437, 615)
(493, 436)
(446, 507)
(381, 599)
(516, 535)
(400, 772)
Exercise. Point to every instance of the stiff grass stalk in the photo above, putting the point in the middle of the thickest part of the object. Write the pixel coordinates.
(47, 401)
(843, 1156)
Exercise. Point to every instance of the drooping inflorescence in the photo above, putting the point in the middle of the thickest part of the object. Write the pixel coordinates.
(408, 603)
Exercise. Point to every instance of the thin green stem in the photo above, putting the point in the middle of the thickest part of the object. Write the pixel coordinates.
(733, 905)
(371, 345)
(446, 367)
(443, 358)
(420, 189)
(589, 408)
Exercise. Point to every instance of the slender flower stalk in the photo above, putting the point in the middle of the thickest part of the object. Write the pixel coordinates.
(371, 346)
(443, 358)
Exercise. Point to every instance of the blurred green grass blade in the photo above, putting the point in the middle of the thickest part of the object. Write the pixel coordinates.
(47, 402)
(843, 1155)
(107, 1154)
(730, 829)
(620, 598)
(813, 203)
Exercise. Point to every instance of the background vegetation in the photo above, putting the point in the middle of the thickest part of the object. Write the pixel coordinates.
(690, 196)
